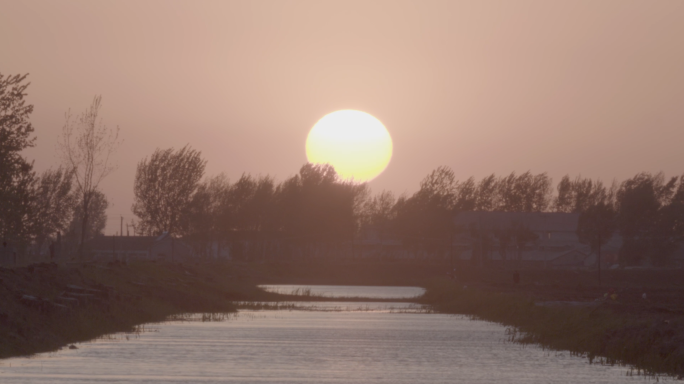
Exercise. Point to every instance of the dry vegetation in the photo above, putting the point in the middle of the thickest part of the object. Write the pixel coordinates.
(45, 307)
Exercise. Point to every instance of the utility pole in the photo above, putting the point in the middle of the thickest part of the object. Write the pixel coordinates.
(451, 246)
(599, 258)
(130, 226)
(121, 232)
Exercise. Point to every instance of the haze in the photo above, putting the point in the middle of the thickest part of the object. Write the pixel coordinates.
(579, 87)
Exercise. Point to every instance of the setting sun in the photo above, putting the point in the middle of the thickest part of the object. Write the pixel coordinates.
(354, 142)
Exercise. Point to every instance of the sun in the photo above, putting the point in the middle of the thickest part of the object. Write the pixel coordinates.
(354, 142)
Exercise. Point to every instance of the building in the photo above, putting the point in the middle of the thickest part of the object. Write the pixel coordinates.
(123, 248)
(550, 239)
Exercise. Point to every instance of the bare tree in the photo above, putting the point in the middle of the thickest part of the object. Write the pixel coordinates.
(97, 207)
(87, 146)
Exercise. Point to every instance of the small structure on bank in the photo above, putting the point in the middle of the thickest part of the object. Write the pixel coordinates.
(549, 239)
(125, 248)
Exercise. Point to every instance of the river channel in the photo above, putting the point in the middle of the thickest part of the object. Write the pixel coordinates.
(319, 342)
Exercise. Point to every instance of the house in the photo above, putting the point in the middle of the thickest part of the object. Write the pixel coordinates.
(211, 249)
(552, 239)
(164, 247)
(374, 242)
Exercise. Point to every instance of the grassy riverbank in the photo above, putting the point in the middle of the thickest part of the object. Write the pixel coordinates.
(45, 307)
(557, 309)
(645, 335)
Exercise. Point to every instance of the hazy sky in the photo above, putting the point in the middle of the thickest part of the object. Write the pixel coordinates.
(576, 87)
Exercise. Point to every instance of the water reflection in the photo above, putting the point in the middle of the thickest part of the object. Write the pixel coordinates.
(351, 342)
(336, 306)
(338, 291)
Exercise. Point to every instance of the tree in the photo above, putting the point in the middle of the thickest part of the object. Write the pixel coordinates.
(315, 209)
(486, 195)
(440, 185)
(379, 213)
(524, 193)
(564, 201)
(466, 196)
(16, 174)
(209, 203)
(648, 218)
(580, 194)
(595, 227)
(379, 210)
(87, 146)
(164, 186)
(523, 236)
(329, 210)
(251, 200)
(208, 214)
(426, 218)
(53, 203)
(250, 214)
(97, 211)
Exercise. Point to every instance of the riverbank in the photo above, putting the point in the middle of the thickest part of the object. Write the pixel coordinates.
(46, 307)
(634, 317)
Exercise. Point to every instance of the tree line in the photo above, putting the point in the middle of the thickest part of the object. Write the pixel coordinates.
(315, 208)
(312, 207)
(38, 208)
(310, 211)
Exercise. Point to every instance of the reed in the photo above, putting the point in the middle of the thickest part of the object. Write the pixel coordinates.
(602, 334)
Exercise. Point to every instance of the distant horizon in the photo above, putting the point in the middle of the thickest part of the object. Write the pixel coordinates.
(568, 88)
(113, 220)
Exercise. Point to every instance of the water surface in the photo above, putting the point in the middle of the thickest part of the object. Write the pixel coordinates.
(356, 342)
(337, 291)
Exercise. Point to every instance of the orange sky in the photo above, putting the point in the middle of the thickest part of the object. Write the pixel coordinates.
(580, 87)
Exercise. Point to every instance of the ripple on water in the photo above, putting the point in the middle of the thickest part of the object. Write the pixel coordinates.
(336, 343)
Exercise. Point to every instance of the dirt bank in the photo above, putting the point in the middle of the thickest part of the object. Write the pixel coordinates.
(46, 306)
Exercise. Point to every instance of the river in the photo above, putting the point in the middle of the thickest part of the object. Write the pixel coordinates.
(327, 342)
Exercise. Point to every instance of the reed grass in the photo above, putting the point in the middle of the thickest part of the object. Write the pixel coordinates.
(600, 334)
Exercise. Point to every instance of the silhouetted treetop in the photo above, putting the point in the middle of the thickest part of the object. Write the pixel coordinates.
(164, 186)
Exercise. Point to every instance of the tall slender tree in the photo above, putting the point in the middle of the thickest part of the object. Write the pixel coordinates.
(87, 146)
(596, 227)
